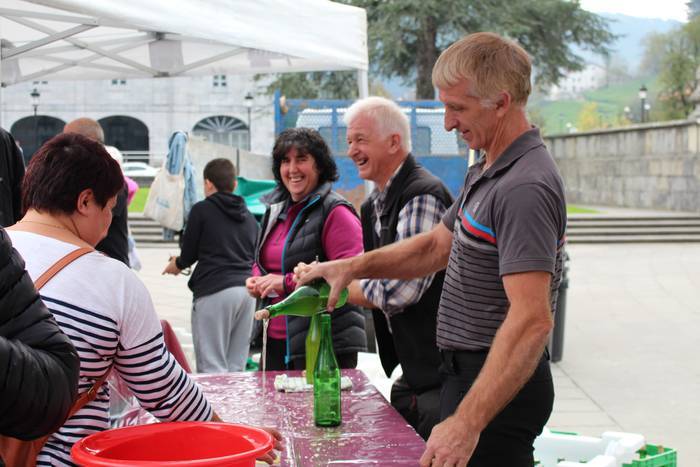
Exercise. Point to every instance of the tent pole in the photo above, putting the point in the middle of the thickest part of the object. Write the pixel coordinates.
(362, 83)
(1, 86)
(363, 91)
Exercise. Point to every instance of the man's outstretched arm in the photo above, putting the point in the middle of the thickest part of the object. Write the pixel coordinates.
(414, 257)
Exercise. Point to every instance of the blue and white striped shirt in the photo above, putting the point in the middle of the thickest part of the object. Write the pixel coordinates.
(108, 314)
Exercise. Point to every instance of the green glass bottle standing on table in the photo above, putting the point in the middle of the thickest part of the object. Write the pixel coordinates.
(313, 341)
(313, 335)
(326, 379)
(307, 300)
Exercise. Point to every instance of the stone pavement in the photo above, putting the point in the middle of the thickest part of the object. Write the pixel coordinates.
(631, 348)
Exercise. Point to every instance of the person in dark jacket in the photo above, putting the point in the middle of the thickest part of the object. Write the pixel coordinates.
(116, 243)
(220, 237)
(39, 366)
(305, 220)
(11, 174)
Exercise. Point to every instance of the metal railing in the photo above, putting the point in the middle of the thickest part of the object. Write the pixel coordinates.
(150, 158)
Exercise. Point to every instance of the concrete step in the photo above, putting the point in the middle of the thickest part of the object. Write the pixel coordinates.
(630, 231)
(582, 228)
(632, 224)
(147, 232)
(607, 239)
(575, 218)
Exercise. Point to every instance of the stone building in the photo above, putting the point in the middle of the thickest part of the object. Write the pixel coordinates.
(139, 115)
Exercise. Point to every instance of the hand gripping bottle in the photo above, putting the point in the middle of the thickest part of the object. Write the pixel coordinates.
(306, 300)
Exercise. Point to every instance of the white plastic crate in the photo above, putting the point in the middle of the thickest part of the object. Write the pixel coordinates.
(612, 449)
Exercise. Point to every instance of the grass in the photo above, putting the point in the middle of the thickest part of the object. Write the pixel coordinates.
(611, 102)
(139, 200)
(573, 209)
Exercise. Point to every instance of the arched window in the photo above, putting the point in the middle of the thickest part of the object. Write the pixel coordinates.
(128, 134)
(31, 134)
(223, 129)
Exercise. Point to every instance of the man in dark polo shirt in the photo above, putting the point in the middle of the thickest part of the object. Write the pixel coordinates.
(501, 242)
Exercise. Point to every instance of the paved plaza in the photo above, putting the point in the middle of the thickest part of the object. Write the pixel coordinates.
(631, 349)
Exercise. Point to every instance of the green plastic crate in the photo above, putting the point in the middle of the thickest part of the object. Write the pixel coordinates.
(651, 455)
(655, 456)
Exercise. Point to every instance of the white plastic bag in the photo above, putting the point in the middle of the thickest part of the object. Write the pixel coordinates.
(165, 200)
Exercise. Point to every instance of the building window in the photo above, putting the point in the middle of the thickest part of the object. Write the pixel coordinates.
(127, 134)
(219, 81)
(223, 129)
(118, 82)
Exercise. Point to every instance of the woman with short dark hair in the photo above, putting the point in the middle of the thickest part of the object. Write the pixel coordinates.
(69, 191)
(305, 220)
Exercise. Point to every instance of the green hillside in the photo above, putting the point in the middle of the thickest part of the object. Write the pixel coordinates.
(611, 101)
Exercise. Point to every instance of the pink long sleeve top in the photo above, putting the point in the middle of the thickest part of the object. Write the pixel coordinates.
(341, 238)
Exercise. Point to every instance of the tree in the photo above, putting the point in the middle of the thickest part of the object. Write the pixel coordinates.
(679, 63)
(693, 9)
(406, 37)
(616, 69)
(314, 85)
(655, 45)
(589, 118)
(320, 85)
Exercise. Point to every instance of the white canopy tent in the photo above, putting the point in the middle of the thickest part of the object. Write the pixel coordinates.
(106, 39)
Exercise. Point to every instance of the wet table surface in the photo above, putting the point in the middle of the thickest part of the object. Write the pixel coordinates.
(371, 433)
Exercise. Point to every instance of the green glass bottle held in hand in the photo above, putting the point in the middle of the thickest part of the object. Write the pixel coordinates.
(306, 300)
(326, 379)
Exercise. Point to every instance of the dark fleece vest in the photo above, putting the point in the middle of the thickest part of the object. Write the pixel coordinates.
(304, 243)
(411, 341)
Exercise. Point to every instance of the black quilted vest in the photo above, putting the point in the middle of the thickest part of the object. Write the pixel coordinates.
(411, 341)
(304, 243)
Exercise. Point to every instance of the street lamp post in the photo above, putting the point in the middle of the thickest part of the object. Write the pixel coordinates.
(249, 105)
(34, 96)
(643, 99)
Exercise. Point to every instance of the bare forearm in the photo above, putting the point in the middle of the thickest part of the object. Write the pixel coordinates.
(356, 297)
(417, 256)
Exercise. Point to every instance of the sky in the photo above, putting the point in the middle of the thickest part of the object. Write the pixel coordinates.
(663, 9)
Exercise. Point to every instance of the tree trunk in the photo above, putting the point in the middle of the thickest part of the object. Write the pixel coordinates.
(427, 54)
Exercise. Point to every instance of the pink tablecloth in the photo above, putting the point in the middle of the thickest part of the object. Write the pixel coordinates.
(372, 432)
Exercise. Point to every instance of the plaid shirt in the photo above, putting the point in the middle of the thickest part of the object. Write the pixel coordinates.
(419, 215)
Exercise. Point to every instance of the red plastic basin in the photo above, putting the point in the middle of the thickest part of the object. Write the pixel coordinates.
(174, 444)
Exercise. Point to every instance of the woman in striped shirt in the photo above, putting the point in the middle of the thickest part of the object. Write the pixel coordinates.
(69, 191)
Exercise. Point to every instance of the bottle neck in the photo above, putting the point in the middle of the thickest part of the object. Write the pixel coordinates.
(303, 301)
(326, 337)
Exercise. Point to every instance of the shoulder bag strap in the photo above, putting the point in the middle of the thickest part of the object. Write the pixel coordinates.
(89, 395)
(60, 264)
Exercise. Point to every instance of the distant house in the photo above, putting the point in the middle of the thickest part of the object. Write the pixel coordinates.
(574, 84)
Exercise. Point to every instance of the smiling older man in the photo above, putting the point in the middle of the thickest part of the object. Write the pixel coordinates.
(501, 242)
(407, 201)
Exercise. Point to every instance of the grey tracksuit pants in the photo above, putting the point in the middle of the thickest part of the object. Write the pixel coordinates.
(221, 326)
